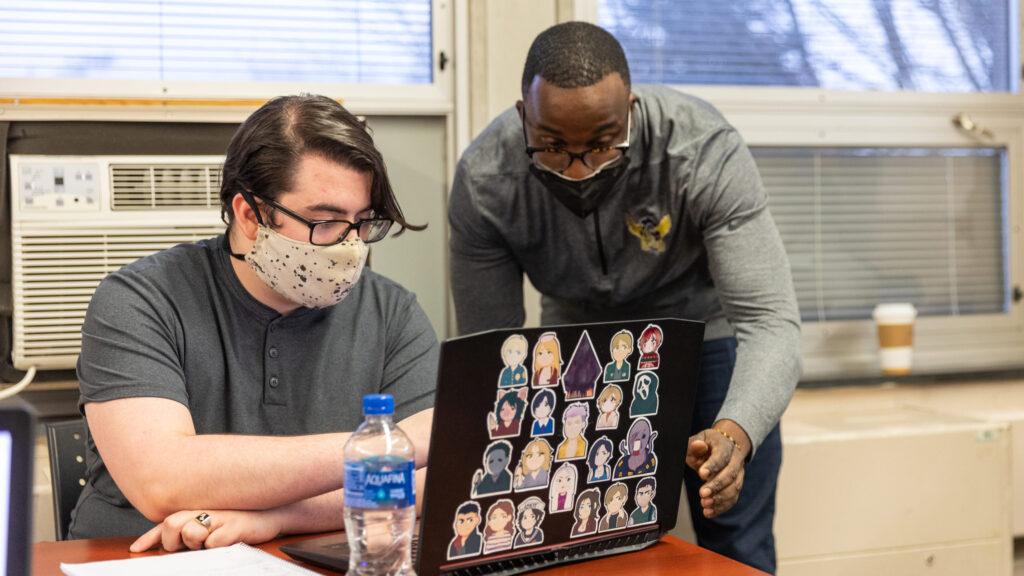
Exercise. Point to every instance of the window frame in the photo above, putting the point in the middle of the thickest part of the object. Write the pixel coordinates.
(813, 117)
(413, 99)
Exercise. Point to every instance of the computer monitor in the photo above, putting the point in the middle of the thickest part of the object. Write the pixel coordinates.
(17, 437)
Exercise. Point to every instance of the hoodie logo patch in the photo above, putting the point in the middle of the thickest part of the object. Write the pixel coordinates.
(651, 233)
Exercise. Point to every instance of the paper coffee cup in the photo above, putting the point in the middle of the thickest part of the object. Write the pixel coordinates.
(895, 324)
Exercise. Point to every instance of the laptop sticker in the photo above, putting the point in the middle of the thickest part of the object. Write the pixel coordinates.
(542, 406)
(638, 457)
(588, 507)
(507, 418)
(513, 354)
(495, 477)
(598, 460)
(645, 512)
(563, 488)
(650, 341)
(547, 361)
(583, 370)
(608, 402)
(534, 468)
(530, 516)
(501, 526)
(645, 395)
(574, 423)
(615, 516)
(622, 346)
(467, 540)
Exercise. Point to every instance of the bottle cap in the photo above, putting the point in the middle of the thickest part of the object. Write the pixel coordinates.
(378, 404)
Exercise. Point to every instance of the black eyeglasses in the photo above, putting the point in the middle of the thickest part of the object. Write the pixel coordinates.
(331, 232)
(557, 160)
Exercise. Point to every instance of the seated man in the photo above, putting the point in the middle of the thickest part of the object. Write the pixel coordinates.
(217, 377)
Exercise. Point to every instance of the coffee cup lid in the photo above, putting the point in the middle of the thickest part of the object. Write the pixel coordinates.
(894, 313)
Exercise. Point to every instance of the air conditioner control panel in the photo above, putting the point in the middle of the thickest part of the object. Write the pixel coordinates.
(58, 187)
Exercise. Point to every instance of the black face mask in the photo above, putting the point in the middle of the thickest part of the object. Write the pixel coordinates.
(581, 197)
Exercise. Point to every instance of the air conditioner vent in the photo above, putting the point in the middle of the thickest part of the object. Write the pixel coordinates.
(59, 268)
(164, 186)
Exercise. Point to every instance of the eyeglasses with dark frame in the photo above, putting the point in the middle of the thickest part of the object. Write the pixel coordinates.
(558, 160)
(331, 232)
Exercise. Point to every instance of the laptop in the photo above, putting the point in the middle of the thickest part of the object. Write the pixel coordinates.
(17, 439)
(550, 445)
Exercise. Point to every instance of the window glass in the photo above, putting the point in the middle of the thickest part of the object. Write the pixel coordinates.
(322, 41)
(868, 225)
(919, 45)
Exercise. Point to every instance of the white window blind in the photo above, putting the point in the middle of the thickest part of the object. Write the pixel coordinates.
(322, 41)
(864, 226)
(921, 45)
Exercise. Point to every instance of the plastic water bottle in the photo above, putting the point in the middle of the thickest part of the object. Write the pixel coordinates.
(380, 500)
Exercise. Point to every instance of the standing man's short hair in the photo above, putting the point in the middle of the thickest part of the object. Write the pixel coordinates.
(574, 55)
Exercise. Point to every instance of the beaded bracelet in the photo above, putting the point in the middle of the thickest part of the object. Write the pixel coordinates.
(735, 444)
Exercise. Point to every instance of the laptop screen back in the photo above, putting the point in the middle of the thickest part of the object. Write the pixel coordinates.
(551, 438)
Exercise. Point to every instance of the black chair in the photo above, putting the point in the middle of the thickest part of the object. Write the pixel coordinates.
(66, 441)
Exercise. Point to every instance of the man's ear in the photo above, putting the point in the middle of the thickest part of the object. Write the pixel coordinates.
(245, 216)
(519, 108)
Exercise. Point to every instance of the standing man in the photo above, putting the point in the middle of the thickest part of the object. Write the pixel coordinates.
(218, 378)
(625, 202)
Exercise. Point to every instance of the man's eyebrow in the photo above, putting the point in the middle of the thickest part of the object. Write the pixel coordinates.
(323, 207)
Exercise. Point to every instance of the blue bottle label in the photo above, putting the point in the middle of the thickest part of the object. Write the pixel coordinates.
(380, 482)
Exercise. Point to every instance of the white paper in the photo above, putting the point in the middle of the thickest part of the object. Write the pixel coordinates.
(239, 559)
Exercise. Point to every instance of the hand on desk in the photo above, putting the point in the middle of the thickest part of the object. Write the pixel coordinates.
(181, 530)
(719, 460)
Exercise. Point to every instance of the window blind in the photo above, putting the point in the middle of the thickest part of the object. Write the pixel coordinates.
(865, 226)
(921, 45)
(322, 41)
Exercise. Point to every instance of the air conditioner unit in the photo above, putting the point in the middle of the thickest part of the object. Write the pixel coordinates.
(75, 219)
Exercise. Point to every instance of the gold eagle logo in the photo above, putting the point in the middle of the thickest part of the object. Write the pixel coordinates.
(652, 235)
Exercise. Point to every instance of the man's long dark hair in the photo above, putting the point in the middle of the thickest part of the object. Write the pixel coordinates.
(265, 151)
(574, 55)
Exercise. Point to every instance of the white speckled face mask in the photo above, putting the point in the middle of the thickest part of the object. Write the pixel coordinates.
(313, 276)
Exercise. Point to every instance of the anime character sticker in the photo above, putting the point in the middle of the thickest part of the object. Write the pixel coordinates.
(541, 407)
(645, 395)
(495, 477)
(615, 516)
(513, 354)
(608, 402)
(534, 466)
(650, 341)
(645, 512)
(598, 460)
(563, 488)
(501, 529)
(547, 361)
(583, 371)
(588, 506)
(467, 538)
(507, 418)
(574, 423)
(618, 370)
(530, 515)
(638, 457)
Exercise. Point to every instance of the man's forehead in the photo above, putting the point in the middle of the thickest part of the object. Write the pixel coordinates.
(606, 99)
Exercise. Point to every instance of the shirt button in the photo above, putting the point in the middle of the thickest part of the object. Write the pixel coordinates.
(273, 327)
(273, 352)
(274, 382)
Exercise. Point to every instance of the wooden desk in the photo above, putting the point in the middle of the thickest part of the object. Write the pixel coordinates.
(670, 556)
